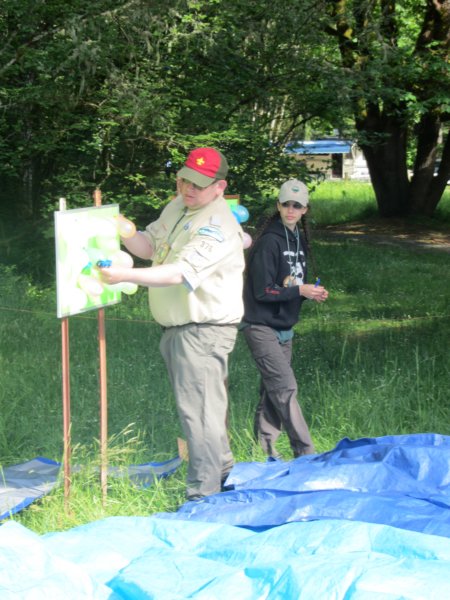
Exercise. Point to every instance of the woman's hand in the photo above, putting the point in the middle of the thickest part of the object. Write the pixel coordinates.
(313, 292)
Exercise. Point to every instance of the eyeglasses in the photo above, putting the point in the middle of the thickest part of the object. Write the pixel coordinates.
(295, 205)
(194, 185)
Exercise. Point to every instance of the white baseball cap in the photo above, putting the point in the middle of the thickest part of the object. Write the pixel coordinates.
(295, 191)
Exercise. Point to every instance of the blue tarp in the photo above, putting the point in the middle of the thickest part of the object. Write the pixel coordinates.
(22, 484)
(403, 481)
(319, 147)
(368, 520)
(147, 557)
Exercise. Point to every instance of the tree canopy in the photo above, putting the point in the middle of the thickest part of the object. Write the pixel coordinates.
(105, 93)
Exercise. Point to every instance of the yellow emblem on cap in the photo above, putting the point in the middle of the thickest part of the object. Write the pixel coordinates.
(200, 161)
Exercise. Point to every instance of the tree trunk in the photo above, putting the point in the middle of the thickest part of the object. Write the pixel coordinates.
(426, 186)
(28, 205)
(386, 161)
(437, 183)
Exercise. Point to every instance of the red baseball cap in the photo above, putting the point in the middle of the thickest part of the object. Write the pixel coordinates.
(203, 166)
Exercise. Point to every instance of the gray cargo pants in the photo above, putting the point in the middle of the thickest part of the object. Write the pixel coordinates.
(196, 356)
(278, 407)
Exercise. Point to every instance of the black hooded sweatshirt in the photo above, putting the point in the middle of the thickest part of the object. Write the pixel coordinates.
(277, 253)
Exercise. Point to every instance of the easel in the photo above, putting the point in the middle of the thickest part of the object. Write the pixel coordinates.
(66, 392)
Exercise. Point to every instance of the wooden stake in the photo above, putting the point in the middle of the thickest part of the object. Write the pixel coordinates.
(103, 389)
(65, 354)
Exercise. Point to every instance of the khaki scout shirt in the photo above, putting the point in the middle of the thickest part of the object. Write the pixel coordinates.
(207, 243)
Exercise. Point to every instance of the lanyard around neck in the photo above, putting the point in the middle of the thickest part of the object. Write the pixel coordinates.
(289, 257)
(169, 237)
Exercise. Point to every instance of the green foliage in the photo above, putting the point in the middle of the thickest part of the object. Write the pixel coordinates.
(104, 94)
(138, 85)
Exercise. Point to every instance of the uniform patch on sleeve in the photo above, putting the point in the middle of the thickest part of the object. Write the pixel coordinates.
(215, 220)
(211, 231)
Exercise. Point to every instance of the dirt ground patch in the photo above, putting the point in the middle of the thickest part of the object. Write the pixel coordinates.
(389, 232)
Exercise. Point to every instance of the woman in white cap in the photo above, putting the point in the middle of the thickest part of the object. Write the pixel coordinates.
(274, 290)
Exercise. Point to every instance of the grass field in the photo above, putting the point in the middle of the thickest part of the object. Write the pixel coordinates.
(336, 202)
(371, 361)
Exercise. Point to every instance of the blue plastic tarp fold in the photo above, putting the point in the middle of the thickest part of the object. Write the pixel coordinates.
(403, 481)
(138, 558)
(22, 484)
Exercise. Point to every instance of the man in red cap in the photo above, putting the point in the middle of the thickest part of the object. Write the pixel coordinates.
(195, 293)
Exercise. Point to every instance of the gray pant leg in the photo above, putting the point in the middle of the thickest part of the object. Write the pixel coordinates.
(196, 357)
(278, 407)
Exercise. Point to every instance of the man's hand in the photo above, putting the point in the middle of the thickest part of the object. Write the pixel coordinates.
(113, 275)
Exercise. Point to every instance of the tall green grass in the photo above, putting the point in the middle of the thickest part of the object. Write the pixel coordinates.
(371, 361)
(337, 202)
